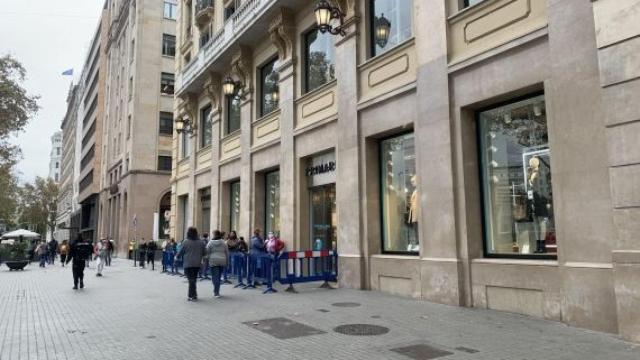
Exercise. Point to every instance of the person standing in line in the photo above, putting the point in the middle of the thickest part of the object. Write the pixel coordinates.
(258, 248)
(151, 253)
(79, 252)
(64, 250)
(232, 241)
(53, 250)
(41, 252)
(218, 259)
(101, 255)
(192, 252)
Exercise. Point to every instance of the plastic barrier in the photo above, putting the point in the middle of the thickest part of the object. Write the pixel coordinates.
(261, 269)
(294, 267)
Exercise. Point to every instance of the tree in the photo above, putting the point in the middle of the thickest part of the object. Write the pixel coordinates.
(16, 108)
(38, 205)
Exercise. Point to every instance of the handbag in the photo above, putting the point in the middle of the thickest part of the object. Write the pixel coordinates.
(520, 209)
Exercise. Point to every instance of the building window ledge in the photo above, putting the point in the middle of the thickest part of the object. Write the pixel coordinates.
(512, 261)
(316, 91)
(387, 54)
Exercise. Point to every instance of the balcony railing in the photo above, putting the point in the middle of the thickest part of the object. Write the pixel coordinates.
(246, 15)
(204, 11)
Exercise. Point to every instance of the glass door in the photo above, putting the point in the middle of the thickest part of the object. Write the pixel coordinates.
(323, 217)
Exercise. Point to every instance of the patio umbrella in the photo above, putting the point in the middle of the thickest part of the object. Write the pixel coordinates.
(25, 234)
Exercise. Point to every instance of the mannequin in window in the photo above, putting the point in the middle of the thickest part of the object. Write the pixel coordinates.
(538, 201)
(413, 215)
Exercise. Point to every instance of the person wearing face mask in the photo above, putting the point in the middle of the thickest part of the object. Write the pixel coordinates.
(274, 244)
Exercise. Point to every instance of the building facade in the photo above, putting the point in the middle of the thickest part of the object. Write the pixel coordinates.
(55, 156)
(478, 153)
(68, 209)
(90, 126)
(137, 140)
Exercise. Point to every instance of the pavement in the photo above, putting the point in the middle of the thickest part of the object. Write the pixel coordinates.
(133, 313)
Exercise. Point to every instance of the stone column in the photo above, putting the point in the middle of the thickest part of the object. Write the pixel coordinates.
(213, 91)
(617, 39)
(350, 243)
(241, 67)
(434, 158)
(282, 33)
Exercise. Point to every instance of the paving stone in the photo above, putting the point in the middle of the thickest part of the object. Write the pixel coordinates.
(139, 314)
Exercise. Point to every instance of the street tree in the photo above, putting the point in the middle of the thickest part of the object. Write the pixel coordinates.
(38, 205)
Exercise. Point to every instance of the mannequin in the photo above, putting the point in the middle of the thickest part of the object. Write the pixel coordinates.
(538, 202)
(413, 215)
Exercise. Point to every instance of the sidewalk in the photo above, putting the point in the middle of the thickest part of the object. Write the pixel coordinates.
(133, 313)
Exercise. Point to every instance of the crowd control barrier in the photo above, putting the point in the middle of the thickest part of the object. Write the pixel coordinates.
(295, 267)
(260, 268)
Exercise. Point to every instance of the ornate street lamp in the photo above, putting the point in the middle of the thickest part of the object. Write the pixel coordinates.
(183, 125)
(382, 30)
(329, 18)
(232, 88)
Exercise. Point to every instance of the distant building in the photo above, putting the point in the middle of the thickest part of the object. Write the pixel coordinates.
(55, 156)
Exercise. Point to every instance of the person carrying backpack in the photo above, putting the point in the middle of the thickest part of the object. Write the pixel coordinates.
(79, 252)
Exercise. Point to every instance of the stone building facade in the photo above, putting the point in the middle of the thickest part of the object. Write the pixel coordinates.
(137, 139)
(477, 153)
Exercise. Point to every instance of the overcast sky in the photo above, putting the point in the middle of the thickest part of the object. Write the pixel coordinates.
(47, 37)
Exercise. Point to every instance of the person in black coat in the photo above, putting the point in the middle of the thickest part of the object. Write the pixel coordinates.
(142, 253)
(79, 252)
(151, 253)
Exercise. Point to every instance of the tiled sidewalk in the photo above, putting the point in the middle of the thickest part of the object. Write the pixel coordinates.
(139, 314)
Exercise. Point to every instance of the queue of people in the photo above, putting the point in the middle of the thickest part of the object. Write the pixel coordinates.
(197, 252)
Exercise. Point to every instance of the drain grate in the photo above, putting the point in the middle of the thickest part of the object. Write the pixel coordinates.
(283, 328)
(421, 352)
(361, 329)
(346, 304)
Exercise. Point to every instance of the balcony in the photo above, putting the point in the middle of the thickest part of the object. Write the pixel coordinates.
(245, 16)
(204, 12)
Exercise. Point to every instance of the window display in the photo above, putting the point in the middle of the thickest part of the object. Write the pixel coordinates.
(400, 199)
(516, 176)
(234, 206)
(272, 202)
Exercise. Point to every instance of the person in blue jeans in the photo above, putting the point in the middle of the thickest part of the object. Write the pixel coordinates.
(218, 259)
(257, 248)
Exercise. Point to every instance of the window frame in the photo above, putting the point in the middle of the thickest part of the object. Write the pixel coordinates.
(481, 183)
(272, 61)
(371, 32)
(229, 100)
(166, 38)
(164, 158)
(381, 197)
(170, 120)
(173, 10)
(266, 204)
(305, 56)
(203, 120)
(173, 82)
(231, 207)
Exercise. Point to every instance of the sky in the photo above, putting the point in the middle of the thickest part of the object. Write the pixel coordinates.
(47, 37)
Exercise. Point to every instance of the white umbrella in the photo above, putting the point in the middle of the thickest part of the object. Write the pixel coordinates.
(26, 234)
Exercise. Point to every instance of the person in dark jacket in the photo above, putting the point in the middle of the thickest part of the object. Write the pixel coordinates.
(192, 252)
(142, 253)
(258, 248)
(79, 251)
(151, 253)
(232, 241)
(53, 250)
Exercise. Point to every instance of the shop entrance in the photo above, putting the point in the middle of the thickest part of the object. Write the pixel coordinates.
(323, 217)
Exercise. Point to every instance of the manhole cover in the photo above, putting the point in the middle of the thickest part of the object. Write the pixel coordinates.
(361, 329)
(283, 328)
(421, 352)
(346, 304)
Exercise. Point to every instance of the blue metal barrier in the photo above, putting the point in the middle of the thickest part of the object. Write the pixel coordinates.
(261, 269)
(306, 266)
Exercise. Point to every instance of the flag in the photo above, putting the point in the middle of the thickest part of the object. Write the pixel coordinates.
(68, 72)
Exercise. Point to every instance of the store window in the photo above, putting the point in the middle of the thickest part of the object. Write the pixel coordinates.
(400, 199)
(390, 24)
(233, 114)
(205, 210)
(268, 88)
(205, 126)
(516, 177)
(272, 202)
(319, 66)
(234, 206)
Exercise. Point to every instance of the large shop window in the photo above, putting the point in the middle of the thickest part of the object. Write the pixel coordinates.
(205, 126)
(400, 200)
(319, 66)
(516, 177)
(272, 202)
(390, 24)
(234, 206)
(268, 88)
(205, 210)
(233, 114)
